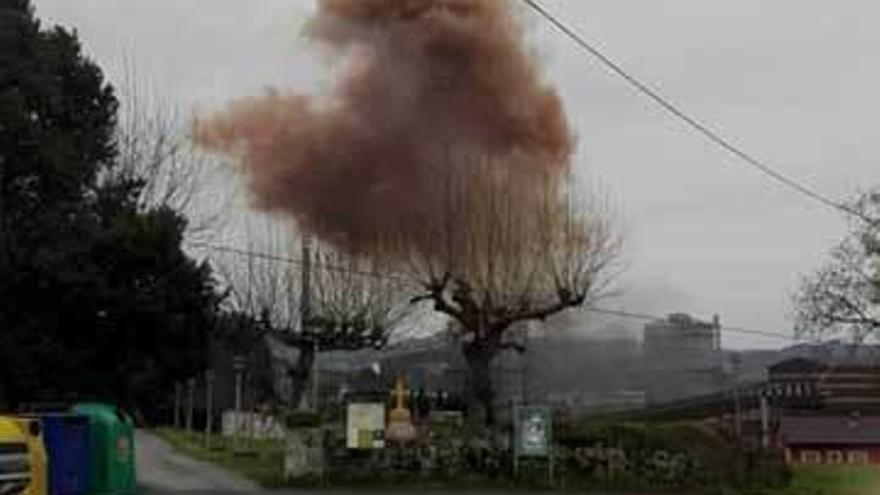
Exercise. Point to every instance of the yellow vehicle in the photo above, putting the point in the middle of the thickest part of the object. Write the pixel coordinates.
(15, 466)
(37, 457)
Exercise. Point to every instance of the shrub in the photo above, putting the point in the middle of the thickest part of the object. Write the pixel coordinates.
(670, 455)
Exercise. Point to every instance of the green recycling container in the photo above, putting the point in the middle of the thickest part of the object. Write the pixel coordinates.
(113, 471)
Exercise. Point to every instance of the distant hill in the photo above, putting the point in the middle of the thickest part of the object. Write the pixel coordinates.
(751, 366)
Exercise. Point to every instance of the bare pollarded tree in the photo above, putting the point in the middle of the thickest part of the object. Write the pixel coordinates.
(155, 149)
(508, 246)
(352, 302)
(842, 297)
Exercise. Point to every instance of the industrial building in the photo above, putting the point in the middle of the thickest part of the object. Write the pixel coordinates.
(682, 358)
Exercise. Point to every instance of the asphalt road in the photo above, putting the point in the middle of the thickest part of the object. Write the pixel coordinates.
(162, 470)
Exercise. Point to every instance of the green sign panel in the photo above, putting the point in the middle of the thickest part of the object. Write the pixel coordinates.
(533, 431)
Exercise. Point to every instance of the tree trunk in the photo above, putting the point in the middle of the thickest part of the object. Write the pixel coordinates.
(480, 393)
(299, 376)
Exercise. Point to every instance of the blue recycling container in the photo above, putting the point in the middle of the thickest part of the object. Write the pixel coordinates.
(68, 446)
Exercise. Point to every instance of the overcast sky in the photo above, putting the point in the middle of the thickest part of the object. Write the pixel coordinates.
(793, 81)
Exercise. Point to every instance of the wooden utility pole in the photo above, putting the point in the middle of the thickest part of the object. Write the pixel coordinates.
(177, 393)
(305, 311)
(306, 279)
(238, 365)
(190, 403)
(737, 416)
(209, 406)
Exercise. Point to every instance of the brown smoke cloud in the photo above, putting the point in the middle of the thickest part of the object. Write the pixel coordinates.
(423, 84)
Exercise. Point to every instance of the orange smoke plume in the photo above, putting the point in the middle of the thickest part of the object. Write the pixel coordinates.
(423, 82)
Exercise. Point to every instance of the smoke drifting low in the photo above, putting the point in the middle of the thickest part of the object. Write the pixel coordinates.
(422, 84)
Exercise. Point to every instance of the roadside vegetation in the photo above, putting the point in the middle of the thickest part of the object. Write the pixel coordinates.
(622, 457)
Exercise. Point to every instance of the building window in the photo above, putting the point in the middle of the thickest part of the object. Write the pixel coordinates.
(834, 457)
(810, 457)
(857, 457)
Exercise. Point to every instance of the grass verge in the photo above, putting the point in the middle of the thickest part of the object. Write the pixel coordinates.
(833, 480)
(261, 461)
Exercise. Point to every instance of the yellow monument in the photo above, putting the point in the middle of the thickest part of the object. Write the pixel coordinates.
(400, 426)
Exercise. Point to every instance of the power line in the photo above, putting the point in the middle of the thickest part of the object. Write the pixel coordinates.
(694, 123)
(403, 279)
(294, 261)
(652, 318)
